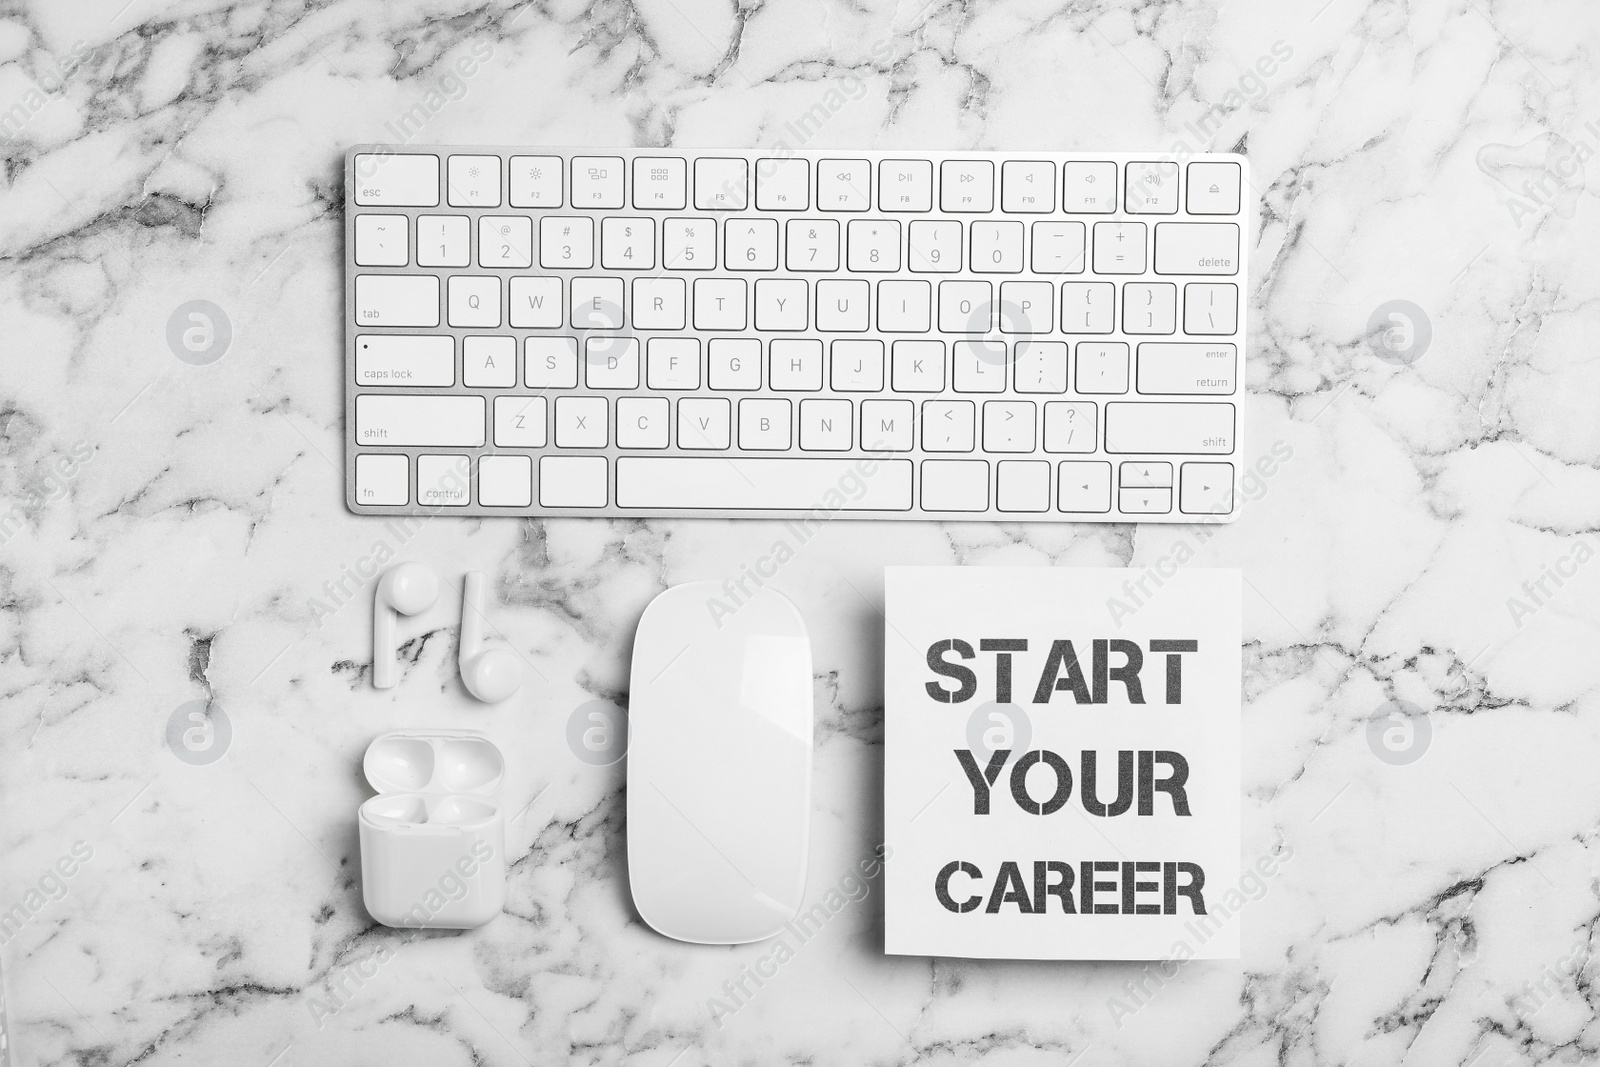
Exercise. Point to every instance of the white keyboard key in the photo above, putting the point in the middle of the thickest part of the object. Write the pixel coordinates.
(382, 240)
(764, 424)
(1182, 428)
(1027, 307)
(907, 306)
(627, 243)
(572, 481)
(643, 422)
(536, 303)
(886, 425)
(1152, 188)
(873, 245)
(918, 367)
(796, 364)
(519, 421)
(597, 181)
(1149, 307)
(1069, 426)
(1088, 307)
(1144, 501)
(1145, 475)
(659, 304)
(1089, 189)
(996, 247)
(1022, 485)
(611, 362)
(505, 241)
(955, 485)
(966, 185)
(759, 484)
(689, 244)
(488, 362)
(934, 247)
(405, 360)
(473, 181)
(1197, 248)
(719, 304)
(1213, 189)
(660, 182)
(751, 244)
(395, 179)
(597, 303)
(781, 304)
(444, 241)
(1039, 367)
(783, 184)
(550, 362)
(1119, 248)
(1058, 247)
(1178, 368)
(397, 300)
(581, 422)
(813, 244)
(844, 185)
(1210, 308)
(857, 366)
(947, 425)
(1102, 367)
(733, 363)
(965, 307)
(1008, 426)
(444, 481)
(704, 422)
(383, 480)
(1027, 186)
(1083, 486)
(980, 366)
(905, 185)
(505, 481)
(1205, 488)
(535, 181)
(720, 184)
(566, 242)
(673, 363)
(419, 420)
(825, 425)
(843, 305)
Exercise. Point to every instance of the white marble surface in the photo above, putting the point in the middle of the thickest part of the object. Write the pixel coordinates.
(1401, 151)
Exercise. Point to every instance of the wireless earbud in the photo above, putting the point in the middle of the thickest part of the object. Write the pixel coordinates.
(490, 674)
(404, 588)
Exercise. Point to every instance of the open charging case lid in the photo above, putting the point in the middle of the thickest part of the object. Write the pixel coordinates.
(432, 780)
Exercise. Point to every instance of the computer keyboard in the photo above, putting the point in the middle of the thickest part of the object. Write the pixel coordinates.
(1028, 336)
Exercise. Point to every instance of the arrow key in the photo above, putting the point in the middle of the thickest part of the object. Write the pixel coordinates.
(1144, 501)
(1207, 489)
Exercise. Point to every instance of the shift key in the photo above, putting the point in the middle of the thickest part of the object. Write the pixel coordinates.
(1182, 429)
(382, 419)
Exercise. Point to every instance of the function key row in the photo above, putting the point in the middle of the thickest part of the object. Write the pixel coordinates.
(723, 183)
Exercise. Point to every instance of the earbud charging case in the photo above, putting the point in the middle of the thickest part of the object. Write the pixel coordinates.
(433, 839)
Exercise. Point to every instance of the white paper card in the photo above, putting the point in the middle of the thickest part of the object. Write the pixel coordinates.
(1062, 763)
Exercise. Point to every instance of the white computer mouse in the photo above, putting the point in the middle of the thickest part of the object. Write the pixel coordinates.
(719, 764)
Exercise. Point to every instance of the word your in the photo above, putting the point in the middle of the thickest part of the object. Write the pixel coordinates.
(1252, 86)
(982, 780)
(802, 928)
(1096, 896)
(447, 88)
(1156, 974)
(52, 886)
(1565, 567)
(1061, 657)
(348, 585)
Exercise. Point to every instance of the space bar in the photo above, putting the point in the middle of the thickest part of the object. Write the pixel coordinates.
(692, 482)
